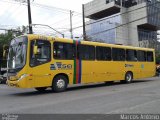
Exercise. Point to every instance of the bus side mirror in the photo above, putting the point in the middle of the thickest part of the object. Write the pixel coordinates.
(4, 54)
(35, 50)
(5, 51)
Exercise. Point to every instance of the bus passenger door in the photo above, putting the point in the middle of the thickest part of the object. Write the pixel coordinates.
(40, 62)
(86, 57)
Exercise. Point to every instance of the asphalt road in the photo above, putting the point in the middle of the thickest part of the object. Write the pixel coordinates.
(142, 96)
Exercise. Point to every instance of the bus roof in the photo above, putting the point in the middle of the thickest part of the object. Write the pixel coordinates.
(37, 36)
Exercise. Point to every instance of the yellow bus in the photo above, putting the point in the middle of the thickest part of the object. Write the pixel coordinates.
(39, 62)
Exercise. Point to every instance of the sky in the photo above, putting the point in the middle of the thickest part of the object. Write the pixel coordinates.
(54, 13)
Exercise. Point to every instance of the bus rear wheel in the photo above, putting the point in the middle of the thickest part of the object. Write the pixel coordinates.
(128, 78)
(59, 83)
(41, 89)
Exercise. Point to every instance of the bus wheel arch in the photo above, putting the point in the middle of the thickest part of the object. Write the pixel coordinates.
(128, 77)
(60, 82)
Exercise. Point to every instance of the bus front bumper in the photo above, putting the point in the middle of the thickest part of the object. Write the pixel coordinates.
(19, 82)
(13, 83)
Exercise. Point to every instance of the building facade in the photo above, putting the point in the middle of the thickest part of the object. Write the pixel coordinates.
(127, 22)
(103, 30)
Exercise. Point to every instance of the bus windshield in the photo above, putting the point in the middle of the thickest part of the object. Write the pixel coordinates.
(17, 54)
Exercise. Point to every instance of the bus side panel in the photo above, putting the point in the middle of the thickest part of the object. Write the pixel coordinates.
(109, 71)
(41, 75)
(117, 70)
(88, 69)
(147, 69)
(63, 67)
(102, 71)
(134, 68)
(44, 74)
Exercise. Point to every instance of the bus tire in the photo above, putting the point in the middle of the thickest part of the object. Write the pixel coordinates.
(41, 89)
(59, 83)
(128, 78)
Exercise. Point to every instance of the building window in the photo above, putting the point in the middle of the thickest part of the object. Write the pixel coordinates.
(118, 54)
(64, 51)
(107, 1)
(131, 55)
(103, 53)
(86, 52)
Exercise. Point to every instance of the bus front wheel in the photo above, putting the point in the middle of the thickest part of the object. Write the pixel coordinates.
(59, 83)
(128, 78)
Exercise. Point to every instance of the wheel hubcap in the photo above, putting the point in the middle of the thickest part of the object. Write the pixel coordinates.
(60, 83)
(129, 77)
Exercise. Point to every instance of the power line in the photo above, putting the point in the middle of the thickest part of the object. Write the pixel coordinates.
(62, 20)
(9, 1)
(117, 15)
(7, 16)
(125, 24)
(49, 27)
(9, 30)
(12, 8)
(42, 6)
(107, 17)
(46, 7)
(51, 7)
(16, 12)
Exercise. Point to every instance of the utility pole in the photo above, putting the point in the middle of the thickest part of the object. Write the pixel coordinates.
(29, 17)
(29, 14)
(71, 29)
(83, 17)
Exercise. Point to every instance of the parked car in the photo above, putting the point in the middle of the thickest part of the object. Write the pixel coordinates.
(3, 80)
(158, 69)
(3, 76)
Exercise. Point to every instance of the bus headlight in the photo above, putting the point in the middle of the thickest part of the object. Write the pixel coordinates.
(22, 76)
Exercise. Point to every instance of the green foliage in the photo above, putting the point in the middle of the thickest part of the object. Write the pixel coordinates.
(5, 39)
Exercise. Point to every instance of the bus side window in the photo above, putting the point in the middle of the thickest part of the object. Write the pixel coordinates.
(118, 54)
(131, 55)
(141, 56)
(103, 53)
(150, 56)
(64, 51)
(86, 52)
(44, 52)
